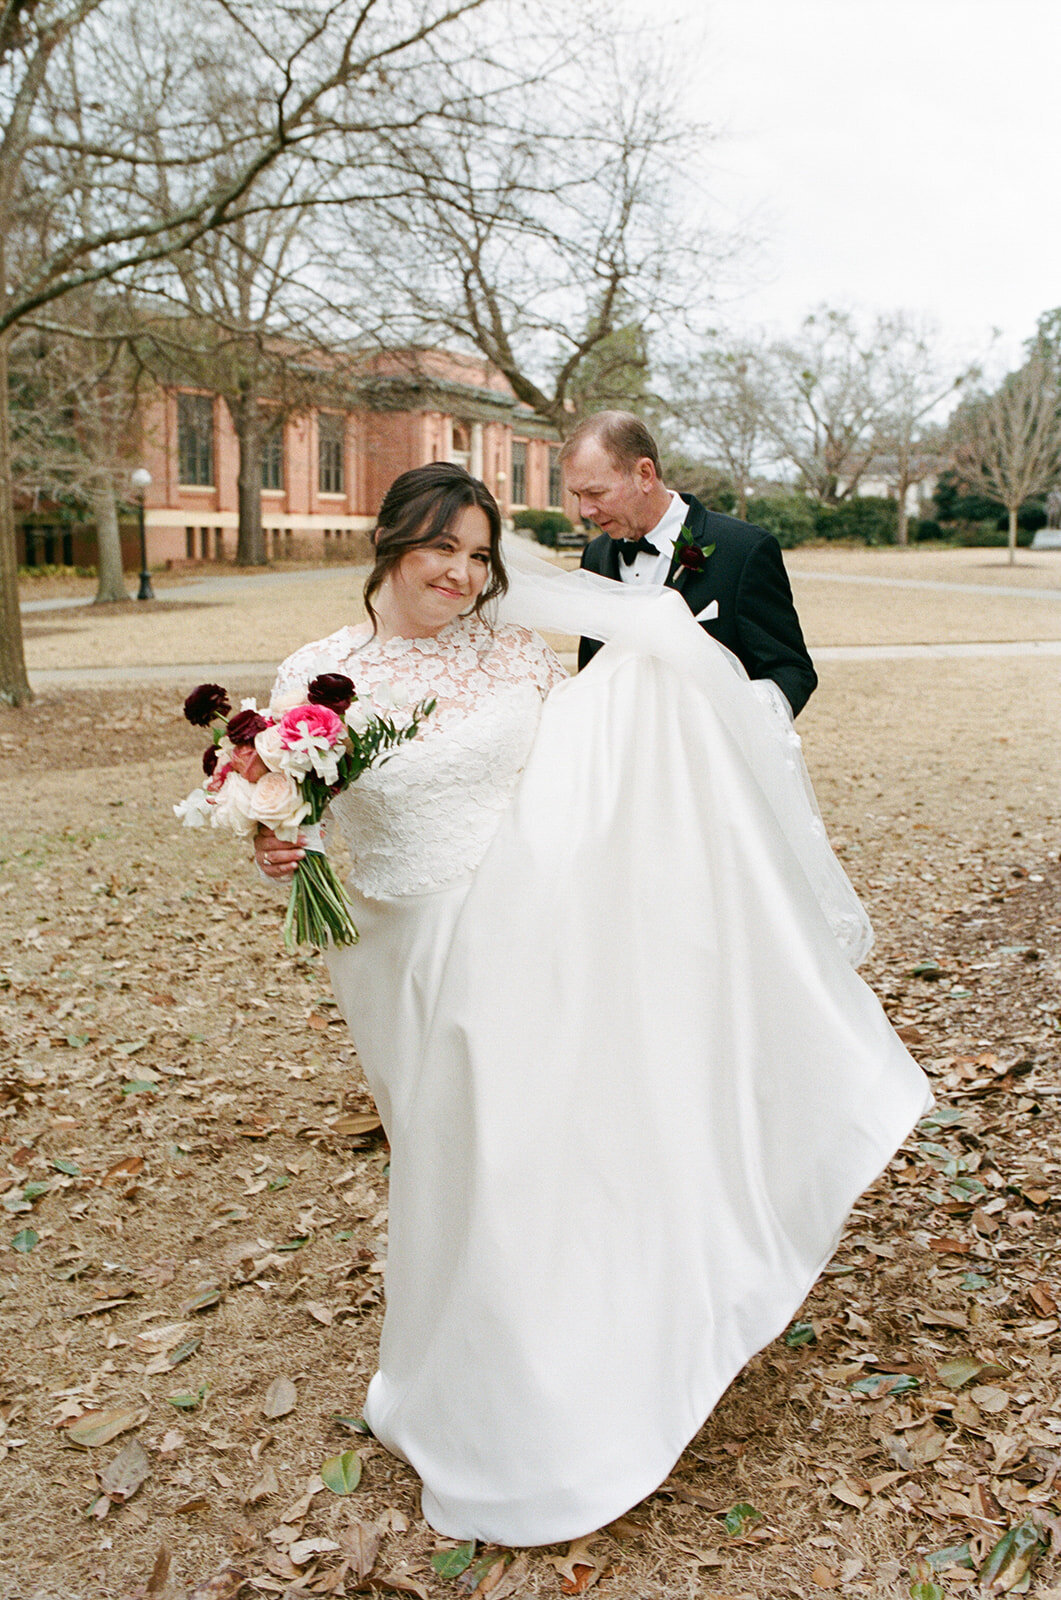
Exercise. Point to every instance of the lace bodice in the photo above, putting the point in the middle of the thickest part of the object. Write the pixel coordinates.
(424, 817)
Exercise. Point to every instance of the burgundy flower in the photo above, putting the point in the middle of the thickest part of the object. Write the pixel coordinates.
(245, 726)
(692, 558)
(332, 689)
(206, 703)
(210, 760)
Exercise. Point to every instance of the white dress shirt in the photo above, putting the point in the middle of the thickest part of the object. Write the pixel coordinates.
(654, 569)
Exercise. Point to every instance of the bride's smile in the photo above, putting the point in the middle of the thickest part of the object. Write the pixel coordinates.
(434, 583)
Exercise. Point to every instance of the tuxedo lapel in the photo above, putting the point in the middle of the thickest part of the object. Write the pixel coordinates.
(696, 588)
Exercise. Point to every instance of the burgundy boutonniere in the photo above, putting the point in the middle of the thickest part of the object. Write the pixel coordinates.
(688, 556)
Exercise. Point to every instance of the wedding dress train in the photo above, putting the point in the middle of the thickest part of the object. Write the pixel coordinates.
(631, 1082)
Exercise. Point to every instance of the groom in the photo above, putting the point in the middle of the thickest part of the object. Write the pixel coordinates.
(730, 573)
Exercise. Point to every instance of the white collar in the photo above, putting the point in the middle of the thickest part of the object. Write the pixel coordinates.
(667, 529)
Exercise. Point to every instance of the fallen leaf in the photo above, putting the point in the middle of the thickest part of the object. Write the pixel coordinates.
(121, 1477)
(822, 1578)
(361, 1543)
(224, 1585)
(26, 1240)
(342, 1474)
(303, 1550)
(454, 1560)
(1012, 1558)
(356, 1122)
(266, 1486)
(128, 1167)
(94, 1428)
(205, 1296)
(400, 1584)
(280, 1398)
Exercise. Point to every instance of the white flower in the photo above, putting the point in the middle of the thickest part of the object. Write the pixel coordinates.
(248, 705)
(268, 745)
(232, 806)
(277, 803)
(357, 719)
(287, 702)
(195, 811)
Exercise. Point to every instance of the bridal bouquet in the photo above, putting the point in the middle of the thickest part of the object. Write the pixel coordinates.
(280, 767)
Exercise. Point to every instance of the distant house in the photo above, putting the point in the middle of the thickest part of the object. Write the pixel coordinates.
(324, 469)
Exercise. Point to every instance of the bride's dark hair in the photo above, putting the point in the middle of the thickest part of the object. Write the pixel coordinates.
(418, 508)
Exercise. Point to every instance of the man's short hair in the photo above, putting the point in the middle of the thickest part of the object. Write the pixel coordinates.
(620, 433)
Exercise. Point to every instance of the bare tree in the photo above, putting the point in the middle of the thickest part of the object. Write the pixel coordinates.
(74, 424)
(542, 231)
(1007, 445)
(916, 382)
(716, 402)
(821, 403)
(106, 87)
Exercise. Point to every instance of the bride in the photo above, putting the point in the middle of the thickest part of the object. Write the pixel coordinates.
(603, 998)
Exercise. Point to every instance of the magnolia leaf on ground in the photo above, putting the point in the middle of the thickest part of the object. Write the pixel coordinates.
(452, 1562)
(205, 1296)
(399, 1583)
(183, 1351)
(224, 1585)
(879, 1384)
(825, 1578)
(360, 1542)
(355, 1424)
(342, 1474)
(955, 1555)
(94, 1428)
(799, 1334)
(189, 1399)
(157, 1580)
(356, 1122)
(739, 1517)
(303, 1550)
(1012, 1558)
(926, 1589)
(280, 1398)
(121, 1477)
(266, 1486)
(128, 1167)
(25, 1240)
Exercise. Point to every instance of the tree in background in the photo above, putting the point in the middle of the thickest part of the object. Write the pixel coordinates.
(915, 381)
(111, 91)
(1007, 445)
(717, 407)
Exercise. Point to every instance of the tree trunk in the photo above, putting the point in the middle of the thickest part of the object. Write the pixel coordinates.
(902, 527)
(248, 424)
(742, 499)
(14, 684)
(1012, 534)
(111, 582)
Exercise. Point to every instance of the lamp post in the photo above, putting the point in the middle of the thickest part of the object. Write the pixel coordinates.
(141, 481)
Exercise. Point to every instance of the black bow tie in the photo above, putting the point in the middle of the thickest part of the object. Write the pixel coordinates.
(629, 548)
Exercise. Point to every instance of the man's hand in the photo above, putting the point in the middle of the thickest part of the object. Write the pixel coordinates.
(275, 857)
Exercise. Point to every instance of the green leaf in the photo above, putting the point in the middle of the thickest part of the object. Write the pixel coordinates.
(343, 1235)
(140, 1086)
(738, 1517)
(355, 1424)
(975, 1280)
(296, 1243)
(279, 1183)
(800, 1333)
(15, 1203)
(955, 1555)
(33, 1191)
(131, 1048)
(342, 1474)
(76, 1041)
(25, 1241)
(451, 1563)
(926, 969)
(926, 1591)
(189, 1400)
(1012, 1558)
(183, 1351)
(878, 1384)
(71, 1168)
(967, 1189)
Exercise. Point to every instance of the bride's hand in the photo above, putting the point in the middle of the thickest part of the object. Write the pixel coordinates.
(275, 857)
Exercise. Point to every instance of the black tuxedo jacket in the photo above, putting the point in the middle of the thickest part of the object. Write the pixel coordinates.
(746, 575)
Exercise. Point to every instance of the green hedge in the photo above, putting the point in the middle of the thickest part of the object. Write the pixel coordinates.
(789, 517)
(545, 525)
(872, 519)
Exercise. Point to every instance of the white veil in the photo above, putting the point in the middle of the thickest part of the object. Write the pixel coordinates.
(656, 621)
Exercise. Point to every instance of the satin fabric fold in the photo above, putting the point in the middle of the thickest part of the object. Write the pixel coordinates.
(632, 1088)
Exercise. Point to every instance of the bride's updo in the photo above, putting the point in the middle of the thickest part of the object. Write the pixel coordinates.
(418, 508)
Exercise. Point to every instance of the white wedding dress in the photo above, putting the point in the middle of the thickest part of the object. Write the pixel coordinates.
(631, 1081)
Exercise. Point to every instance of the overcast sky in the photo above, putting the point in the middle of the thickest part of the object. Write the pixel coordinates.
(889, 153)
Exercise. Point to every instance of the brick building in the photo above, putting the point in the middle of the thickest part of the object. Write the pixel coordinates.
(325, 470)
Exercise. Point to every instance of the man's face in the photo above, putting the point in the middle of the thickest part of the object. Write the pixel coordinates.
(620, 500)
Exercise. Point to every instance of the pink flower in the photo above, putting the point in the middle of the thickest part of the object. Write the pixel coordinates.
(248, 763)
(310, 723)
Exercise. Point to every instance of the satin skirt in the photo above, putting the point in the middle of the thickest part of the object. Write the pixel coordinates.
(632, 1088)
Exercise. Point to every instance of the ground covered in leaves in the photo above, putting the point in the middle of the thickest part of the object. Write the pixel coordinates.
(196, 1211)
